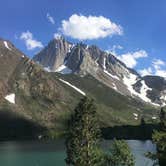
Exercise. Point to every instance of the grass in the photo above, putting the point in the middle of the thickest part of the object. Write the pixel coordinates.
(52, 105)
(113, 108)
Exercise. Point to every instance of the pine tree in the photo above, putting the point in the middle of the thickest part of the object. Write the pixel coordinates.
(82, 142)
(162, 118)
(120, 154)
(143, 121)
(159, 137)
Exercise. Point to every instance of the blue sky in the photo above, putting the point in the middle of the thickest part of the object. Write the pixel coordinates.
(137, 37)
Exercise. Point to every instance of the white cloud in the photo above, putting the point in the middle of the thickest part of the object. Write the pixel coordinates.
(158, 68)
(50, 18)
(130, 58)
(114, 48)
(161, 73)
(145, 72)
(158, 63)
(30, 42)
(90, 27)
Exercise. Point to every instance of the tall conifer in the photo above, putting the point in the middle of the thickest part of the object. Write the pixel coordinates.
(84, 135)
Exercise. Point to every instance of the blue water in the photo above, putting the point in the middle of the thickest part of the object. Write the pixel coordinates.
(53, 153)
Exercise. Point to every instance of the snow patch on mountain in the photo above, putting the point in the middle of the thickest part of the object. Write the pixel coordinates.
(130, 81)
(163, 97)
(154, 117)
(114, 87)
(74, 87)
(11, 98)
(135, 114)
(113, 76)
(105, 71)
(47, 69)
(104, 63)
(96, 62)
(6, 45)
(136, 118)
(143, 91)
(63, 69)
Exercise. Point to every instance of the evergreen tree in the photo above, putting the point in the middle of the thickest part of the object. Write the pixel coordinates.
(83, 137)
(162, 118)
(120, 154)
(142, 121)
(159, 137)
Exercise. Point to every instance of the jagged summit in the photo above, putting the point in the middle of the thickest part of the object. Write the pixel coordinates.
(54, 53)
(64, 57)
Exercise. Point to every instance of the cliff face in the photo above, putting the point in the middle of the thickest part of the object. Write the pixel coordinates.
(9, 59)
(54, 54)
(83, 60)
(29, 91)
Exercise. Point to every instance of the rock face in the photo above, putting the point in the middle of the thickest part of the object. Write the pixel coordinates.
(157, 88)
(54, 54)
(9, 59)
(27, 90)
(83, 60)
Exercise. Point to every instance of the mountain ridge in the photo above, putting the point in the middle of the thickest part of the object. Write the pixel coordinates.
(83, 59)
(42, 97)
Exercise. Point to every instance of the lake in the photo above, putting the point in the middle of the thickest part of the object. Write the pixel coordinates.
(53, 153)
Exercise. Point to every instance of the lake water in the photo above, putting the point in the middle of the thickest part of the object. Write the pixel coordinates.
(53, 153)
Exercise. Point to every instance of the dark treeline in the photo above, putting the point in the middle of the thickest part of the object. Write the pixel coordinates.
(14, 127)
(141, 132)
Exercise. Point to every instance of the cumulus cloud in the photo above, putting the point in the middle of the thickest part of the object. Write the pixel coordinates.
(158, 63)
(50, 18)
(161, 73)
(158, 68)
(89, 27)
(130, 58)
(145, 72)
(30, 42)
(114, 48)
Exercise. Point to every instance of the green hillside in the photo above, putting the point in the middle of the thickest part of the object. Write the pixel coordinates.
(46, 101)
(113, 108)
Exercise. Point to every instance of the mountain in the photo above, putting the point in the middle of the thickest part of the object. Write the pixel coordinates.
(59, 48)
(31, 93)
(33, 97)
(64, 57)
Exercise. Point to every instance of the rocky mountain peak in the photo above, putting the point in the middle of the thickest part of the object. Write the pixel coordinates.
(54, 54)
(64, 57)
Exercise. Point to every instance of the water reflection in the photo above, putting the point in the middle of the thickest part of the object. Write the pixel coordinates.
(53, 153)
(139, 149)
